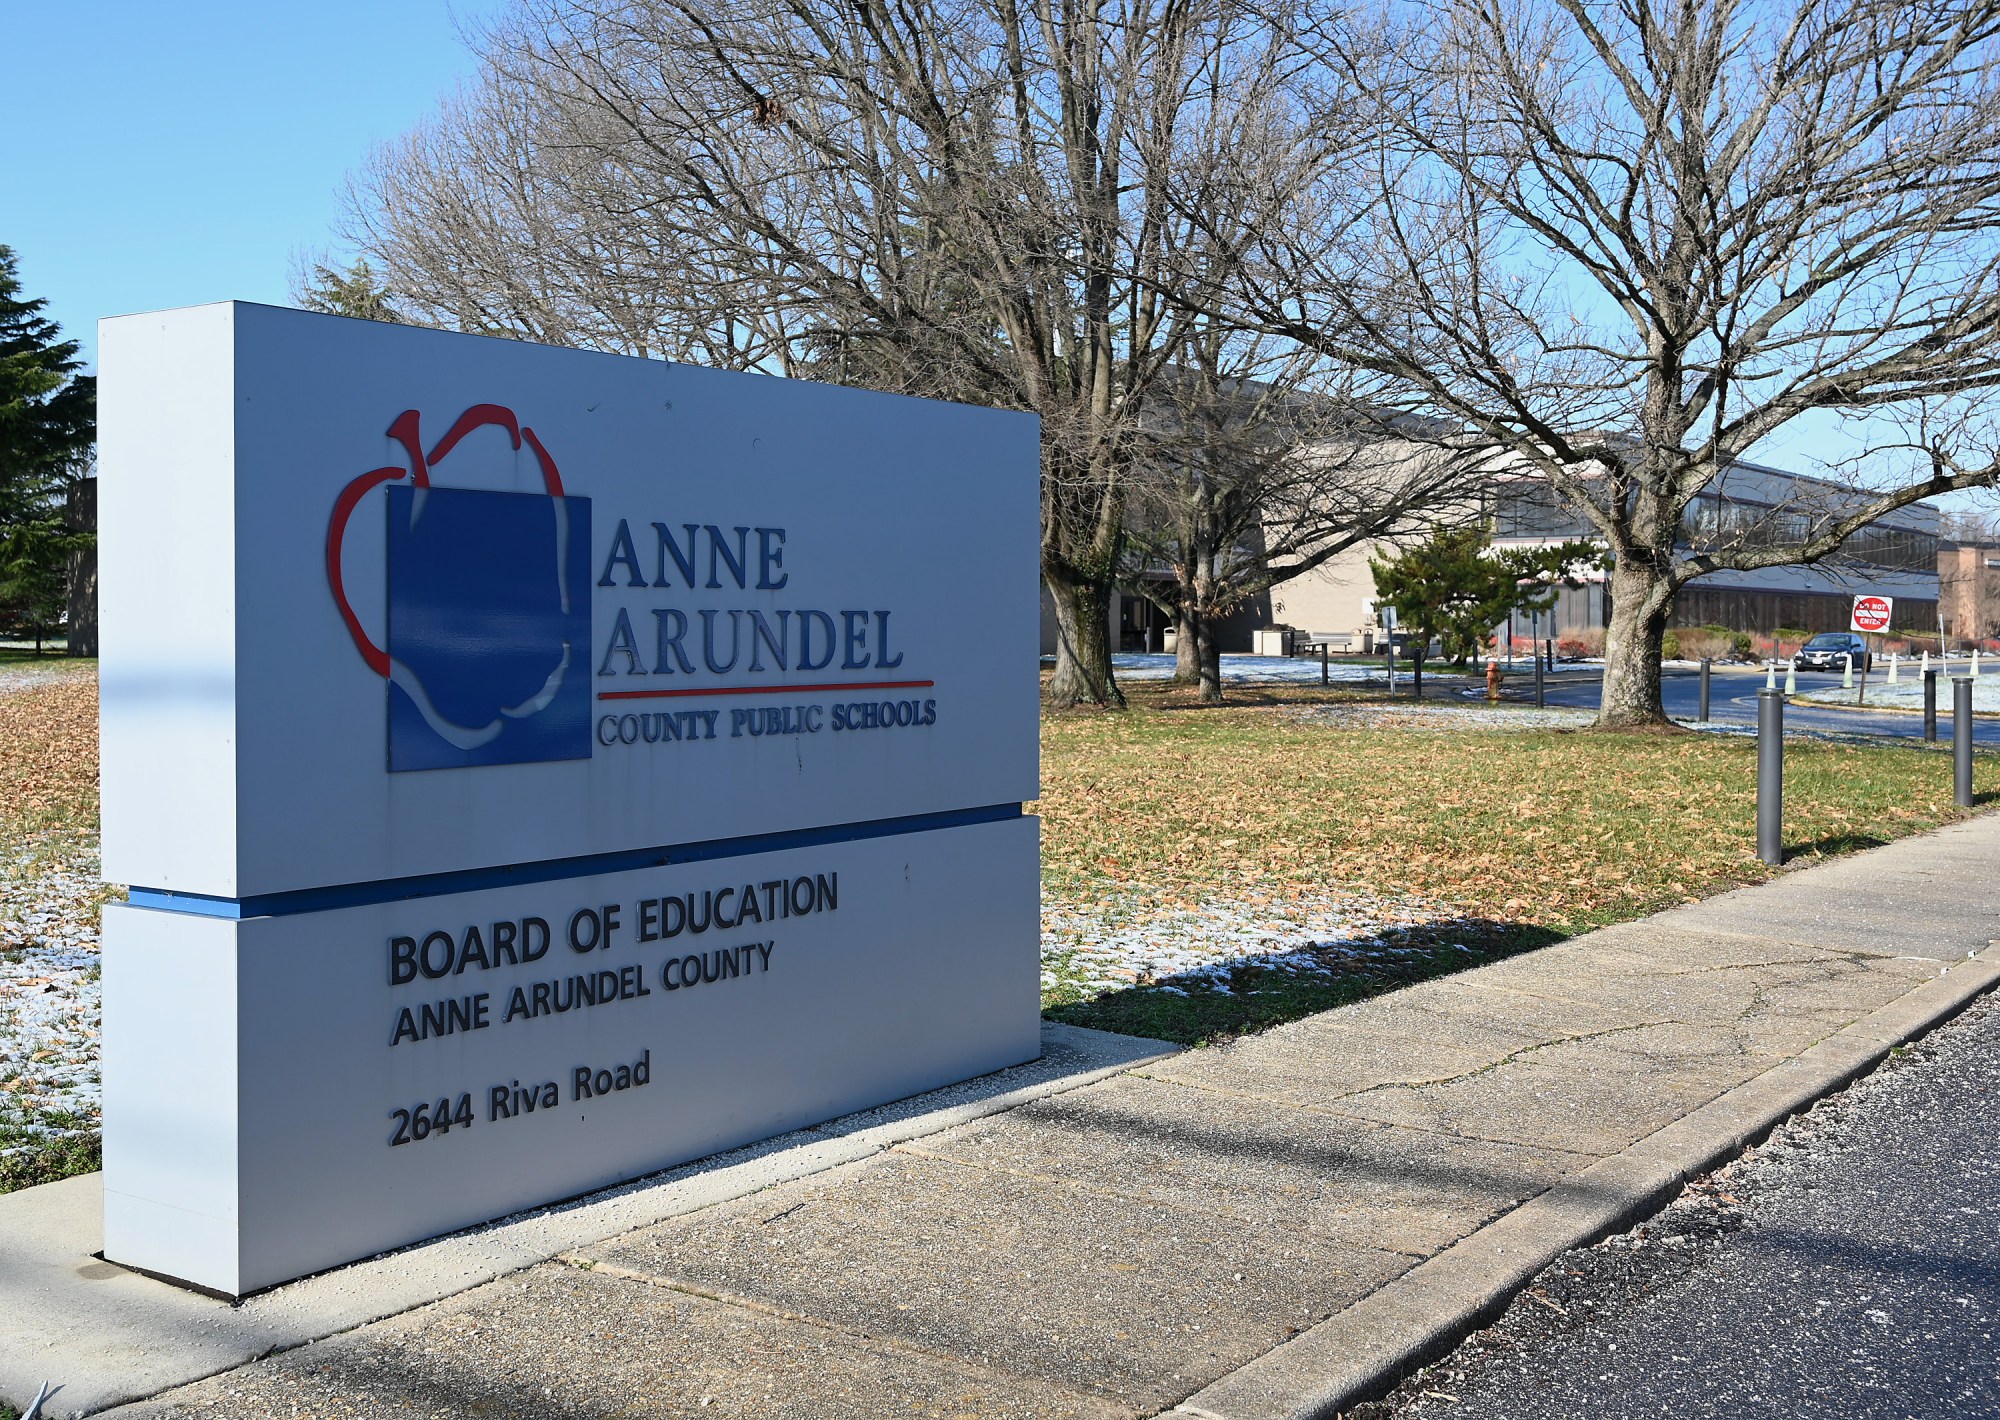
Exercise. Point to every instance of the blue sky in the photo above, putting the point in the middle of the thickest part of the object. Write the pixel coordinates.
(180, 152)
(183, 153)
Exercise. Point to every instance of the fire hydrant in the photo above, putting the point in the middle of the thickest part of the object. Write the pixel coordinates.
(1492, 678)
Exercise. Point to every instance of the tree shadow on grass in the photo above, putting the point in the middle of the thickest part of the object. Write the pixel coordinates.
(1253, 993)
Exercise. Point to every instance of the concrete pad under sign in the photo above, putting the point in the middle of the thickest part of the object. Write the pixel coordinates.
(1054, 1280)
(107, 1335)
(499, 1354)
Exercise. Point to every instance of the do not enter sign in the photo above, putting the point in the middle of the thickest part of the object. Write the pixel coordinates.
(1872, 613)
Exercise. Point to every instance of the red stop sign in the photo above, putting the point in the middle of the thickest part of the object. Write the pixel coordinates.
(1871, 613)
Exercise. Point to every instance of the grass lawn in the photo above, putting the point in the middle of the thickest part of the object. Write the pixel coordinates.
(1468, 845)
(1523, 837)
(48, 825)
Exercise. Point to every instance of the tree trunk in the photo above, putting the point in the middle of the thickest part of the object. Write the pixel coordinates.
(1197, 660)
(1641, 602)
(80, 516)
(1187, 648)
(1211, 666)
(1083, 645)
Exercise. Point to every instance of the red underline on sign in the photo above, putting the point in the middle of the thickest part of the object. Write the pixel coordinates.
(766, 689)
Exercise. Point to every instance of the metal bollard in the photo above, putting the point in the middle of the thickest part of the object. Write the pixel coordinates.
(1540, 698)
(1706, 662)
(1389, 660)
(1930, 706)
(1771, 776)
(1961, 740)
(1323, 676)
(1549, 646)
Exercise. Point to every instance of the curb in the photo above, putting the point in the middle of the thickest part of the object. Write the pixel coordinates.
(1361, 1353)
(1944, 711)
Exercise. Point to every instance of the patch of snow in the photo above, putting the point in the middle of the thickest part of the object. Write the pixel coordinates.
(50, 1001)
(1427, 716)
(1908, 692)
(1133, 939)
(1264, 670)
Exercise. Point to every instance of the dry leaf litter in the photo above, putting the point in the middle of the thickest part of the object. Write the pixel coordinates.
(50, 1012)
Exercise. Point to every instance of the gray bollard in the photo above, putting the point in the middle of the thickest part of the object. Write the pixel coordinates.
(1323, 676)
(1771, 776)
(1706, 663)
(1930, 706)
(1961, 740)
(1540, 696)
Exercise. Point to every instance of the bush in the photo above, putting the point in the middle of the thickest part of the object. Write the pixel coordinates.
(1697, 642)
(1577, 644)
(1670, 646)
(1742, 646)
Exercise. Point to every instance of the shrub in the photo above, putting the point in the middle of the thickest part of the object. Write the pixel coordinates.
(1699, 641)
(1584, 641)
(1742, 646)
(1670, 646)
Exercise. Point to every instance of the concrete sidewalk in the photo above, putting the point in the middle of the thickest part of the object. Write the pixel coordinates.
(1270, 1228)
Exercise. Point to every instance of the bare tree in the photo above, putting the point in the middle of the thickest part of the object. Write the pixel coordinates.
(969, 199)
(1247, 484)
(1624, 244)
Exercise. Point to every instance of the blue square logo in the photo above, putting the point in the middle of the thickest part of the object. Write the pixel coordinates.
(489, 628)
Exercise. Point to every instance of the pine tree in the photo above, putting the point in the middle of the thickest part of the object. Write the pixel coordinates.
(355, 292)
(1457, 587)
(48, 424)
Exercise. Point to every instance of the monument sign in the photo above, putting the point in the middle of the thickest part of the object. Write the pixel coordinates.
(533, 769)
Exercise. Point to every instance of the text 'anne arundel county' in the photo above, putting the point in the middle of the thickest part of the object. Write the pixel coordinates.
(653, 651)
(662, 929)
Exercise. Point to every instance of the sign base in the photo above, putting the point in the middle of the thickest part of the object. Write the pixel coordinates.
(285, 1094)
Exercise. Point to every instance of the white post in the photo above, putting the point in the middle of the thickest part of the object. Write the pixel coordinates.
(1791, 677)
(1847, 670)
(1975, 662)
(1770, 675)
(1892, 668)
(1925, 668)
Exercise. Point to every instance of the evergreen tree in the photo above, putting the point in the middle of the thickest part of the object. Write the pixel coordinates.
(355, 292)
(34, 577)
(1456, 587)
(48, 423)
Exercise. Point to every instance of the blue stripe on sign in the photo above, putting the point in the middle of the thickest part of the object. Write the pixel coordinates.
(281, 904)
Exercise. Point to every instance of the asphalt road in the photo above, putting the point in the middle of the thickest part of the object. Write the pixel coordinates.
(1849, 1269)
(1733, 700)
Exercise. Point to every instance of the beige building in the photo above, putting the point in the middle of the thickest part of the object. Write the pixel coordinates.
(1896, 557)
(1899, 556)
